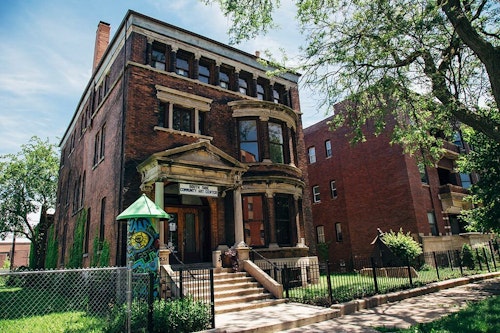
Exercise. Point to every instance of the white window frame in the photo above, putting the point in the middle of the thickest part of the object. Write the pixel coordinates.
(316, 193)
(333, 189)
(328, 148)
(320, 234)
(311, 151)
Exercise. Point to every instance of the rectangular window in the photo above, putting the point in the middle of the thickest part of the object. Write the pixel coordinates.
(333, 189)
(432, 223)
(243, 86)
(260, 92)
(338, 232)
(283, 206)
(320, 234)
(158, 58)
(253, 220)
(182, 65)
(276, 142)
(99, 145)
(182, 119)
(312, 155)
(204, 72)
(316, 197)
(224, 79)
(249, 145)
(465, 179)
(103, 142)
(276, 96)
(328, 148)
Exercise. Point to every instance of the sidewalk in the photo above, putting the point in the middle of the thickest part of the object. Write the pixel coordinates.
(407, 312)
(398, 309)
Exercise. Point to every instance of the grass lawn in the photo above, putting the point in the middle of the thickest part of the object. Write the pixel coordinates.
(66, 322)
(480, 317)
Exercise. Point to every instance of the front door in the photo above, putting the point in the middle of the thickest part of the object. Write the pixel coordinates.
(184, 231)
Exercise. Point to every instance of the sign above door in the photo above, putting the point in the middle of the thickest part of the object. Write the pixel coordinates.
(198, 190)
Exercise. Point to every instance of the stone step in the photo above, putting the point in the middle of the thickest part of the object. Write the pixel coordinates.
(274, 318)
(255, 304)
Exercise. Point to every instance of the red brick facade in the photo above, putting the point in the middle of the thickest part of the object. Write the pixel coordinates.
(123, 140)
(378, 187)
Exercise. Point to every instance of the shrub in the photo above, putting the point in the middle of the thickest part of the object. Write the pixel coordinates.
(323, 251)
(467, 257)
(402, 245)
(184, 315)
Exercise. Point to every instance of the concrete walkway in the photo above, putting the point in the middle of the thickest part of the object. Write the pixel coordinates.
(399, 309)
(407, 312)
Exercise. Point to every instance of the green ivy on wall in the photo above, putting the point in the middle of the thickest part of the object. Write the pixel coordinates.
(76, 251)
(52, 253)
(100, 253)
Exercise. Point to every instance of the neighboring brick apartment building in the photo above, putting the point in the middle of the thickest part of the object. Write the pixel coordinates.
(21, 252)
(197, 126)
(359, 188)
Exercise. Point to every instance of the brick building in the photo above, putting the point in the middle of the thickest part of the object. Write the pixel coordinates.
(358, 189)
(201, 129)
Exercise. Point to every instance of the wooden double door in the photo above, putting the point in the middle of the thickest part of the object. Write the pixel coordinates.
(189, 233)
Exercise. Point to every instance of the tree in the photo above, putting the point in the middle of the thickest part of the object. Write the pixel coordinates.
(28, 182)
(485, 160)
(376, 52)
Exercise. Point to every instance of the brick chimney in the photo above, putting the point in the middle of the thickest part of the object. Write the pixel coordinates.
(101, 42)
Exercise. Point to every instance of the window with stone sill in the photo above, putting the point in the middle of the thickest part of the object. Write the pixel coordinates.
(316, 194)
(183, 119)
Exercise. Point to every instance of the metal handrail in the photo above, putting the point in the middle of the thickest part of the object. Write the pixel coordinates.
(266, 260)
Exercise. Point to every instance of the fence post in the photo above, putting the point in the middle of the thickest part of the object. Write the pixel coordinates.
(284, 277)
(150, 301)
(490, 243)
(436, 265)
(450, 261)
(460, 263)
(374, 270)
(329, 281)
(181, 285)
(212, 296)
(498, 248)
(479, 259)
(409, 271)
(486, 260)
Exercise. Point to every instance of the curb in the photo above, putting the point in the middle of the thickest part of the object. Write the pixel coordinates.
(377, 300)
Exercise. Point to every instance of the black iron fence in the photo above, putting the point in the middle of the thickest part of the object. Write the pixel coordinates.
(194, 283)
(329, 283)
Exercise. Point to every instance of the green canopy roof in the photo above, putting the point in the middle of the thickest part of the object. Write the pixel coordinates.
(143, 207)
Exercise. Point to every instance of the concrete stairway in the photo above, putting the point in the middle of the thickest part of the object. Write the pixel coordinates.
(233, 291)
(238, 292)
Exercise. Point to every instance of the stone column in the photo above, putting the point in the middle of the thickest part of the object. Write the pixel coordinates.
(173, 59)
(159, 195)
(239, 235)
(272, 220)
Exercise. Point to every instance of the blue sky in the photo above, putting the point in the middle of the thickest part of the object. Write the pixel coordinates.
(46, 53)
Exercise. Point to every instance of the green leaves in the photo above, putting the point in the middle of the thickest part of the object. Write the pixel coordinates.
(402, 245)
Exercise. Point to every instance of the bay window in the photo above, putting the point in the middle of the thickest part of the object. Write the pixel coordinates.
(276, 142)
(249, 145)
